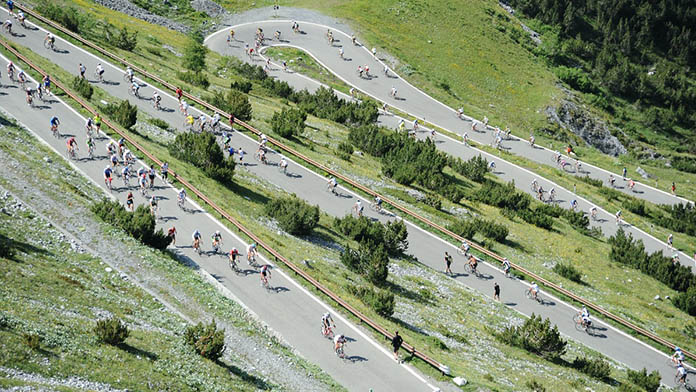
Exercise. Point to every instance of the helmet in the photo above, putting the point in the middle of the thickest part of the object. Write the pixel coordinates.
(217, 231)
(677, 349)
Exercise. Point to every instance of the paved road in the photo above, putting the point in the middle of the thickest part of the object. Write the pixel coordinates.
(378, 86)
(289, 312)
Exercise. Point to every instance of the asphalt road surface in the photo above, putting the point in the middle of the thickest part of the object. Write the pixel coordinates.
(288, 311)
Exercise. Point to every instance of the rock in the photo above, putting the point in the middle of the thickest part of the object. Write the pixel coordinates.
(657, 298)
(642, 173)
(211, 8)
(459, 381)
(47, 159)
(108, 269)
(590, 129)
(133, 10)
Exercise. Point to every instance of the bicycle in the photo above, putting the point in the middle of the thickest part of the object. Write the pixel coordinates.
(580, 325)
(180, 202)
(133, 92)
(127, 78)
(107, 182)
(471, 270)
(99, 76)
(72, 153)
(531, 295)
(679, 384)
(90, 153)
(327, 332)
(462, 252)
(375, 207)
(48, 44)
(156, 105)
(234, 267)
(266, 285)
(283, 169)
(672, 363)
(340, 353)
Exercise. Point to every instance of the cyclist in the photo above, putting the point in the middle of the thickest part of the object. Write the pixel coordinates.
(153, 206)
(100, 72)
(49, 40)
(226, 139)
(265, 274)
(190, 120)
(283, 164)
(339, 341)
(8, 26)
(183, 107)
(196, 240)
(678, 356)
(393, 92)
(22, 77)
(670, 239)
(125, 174)
(378, 203)
(681, 374)
(72, 146)
(612, 180)
(631, 184)
(143, 184)
(88, 126)
(181, 198)
(618, 217)
(151, 175)
(10, 70)
(179, 93)
(358, 208)
(82, 69)
(251, 252)
(128, 158)
(573, 205)
(506, 266)
(29, 96)
(215, 121)
(129, 73)
(90, 146)
(54, 125)
(593, 213)
(332, 185)
(402, 125)
(164, 171)
(46, 84)
(156, 99)
(202, 120)
(473, 263)
(491, 166)
(584, 317)
(97, 122)
(135, 88)
(534, 290)
(535, 185)
(552, 195)
(465, 247)
(171, 233)
(263, 139)
(107, 176)
(129, 201)
(326, 323)
(217, 240)
(233, 255)
(114, 161)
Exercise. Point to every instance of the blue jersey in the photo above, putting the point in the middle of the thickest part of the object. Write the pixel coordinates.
(54, 120)
(107, 172)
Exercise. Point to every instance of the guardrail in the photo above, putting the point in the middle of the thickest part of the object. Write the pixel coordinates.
(363, 188)
(278, 257)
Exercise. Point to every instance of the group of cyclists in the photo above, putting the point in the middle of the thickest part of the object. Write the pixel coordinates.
(327, 327)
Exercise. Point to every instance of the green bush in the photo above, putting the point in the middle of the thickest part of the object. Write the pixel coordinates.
(369, 260)
(537, 217)
(381, 301)
(635, 206)
(391, 235)
(194, 56)
(124, 113)
(649, 382)
(502, 196)
(595, 368)
(7, 249)
(578, 220)
(194, 78)
(243, 86)
(474, 169)
(686, 301)
(577, 79)
(552, 210)
(203, 151)
(123, 40)
(69, 17)
(31, 340)
(279, 88)
(626, 251)
(111, 331)
(568, 271)
(682, 218)
(345, 148)
(594, 182)
(159, 123)
(464, 227)
(139, 224)
(535, 386)
(82, 87)
(432, 201)
(685, 164)
(234, 102)
(206, 339)
(289, 123)
(492, 230)
(536, 336)
(324, 103)
(294, 215)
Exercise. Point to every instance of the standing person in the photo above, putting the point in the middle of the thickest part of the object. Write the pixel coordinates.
(172, 234)
(448, 263)
(674, 189)
(83, 69)
(623, 173)
(179, 94)
(396, 344)
(496, 291)
(165, 171)
(241, 156)
(670, 239)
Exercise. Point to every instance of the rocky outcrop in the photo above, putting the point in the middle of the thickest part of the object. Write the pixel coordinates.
(133, 10)
(590, 129)
(210, 7)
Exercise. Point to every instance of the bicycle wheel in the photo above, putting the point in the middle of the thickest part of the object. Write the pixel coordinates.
(47, 44)
(461, 252)
(467, 268)
(528, 293)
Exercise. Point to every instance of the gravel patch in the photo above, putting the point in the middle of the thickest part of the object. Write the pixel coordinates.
(70, 382)
(133, 10)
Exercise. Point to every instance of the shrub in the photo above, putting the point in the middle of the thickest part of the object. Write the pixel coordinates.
(682, 218)
(288, 123)
(536, 336)
(159, 123)
(202, 151)
(294, 215)
(370, 260)
(474, 169)
(464, 228)
(686, 301)
(649, 382)
(595, 368)
(568, 271)
(577, 219)
(345, 148)
(82, 87)
(685, 164)
(576, 78)
(502, 195)
(535, 386)
(626, 251)
(124, 113)
(381, 301)
(635, 206)
(243, 86)
(31, 340)
(549, 209)
(194, 56)
(253, 72)
(194, 78)
(7, 249)
(592, 181)
(391, 235)
(234, 102)
(432, 201)
(492, 230)
(207, 340)
(139, 224)
(324, 103)
(537, 218)
(279, 88)
(69, 17)
(111, 331)
(122, 40)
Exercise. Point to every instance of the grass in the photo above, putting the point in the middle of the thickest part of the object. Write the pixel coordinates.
(301, 62)
(82, 280)
(320, 139)
(46, 273)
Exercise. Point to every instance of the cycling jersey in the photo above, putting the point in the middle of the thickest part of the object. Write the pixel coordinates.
(196, 235)
(264, 270)
(54, 120)
(107, 172)
(339, 339)
(535, 287)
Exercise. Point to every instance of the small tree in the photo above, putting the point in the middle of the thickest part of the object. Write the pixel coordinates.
(289, 122)
(536, 336)
(207, 340)
(111, 331)
(293, 214)
(124, 113)
(82, 87)
(194, 56)
(649, 382)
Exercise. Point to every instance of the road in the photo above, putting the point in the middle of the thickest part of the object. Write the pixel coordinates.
(378, 86)
(288, 312)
